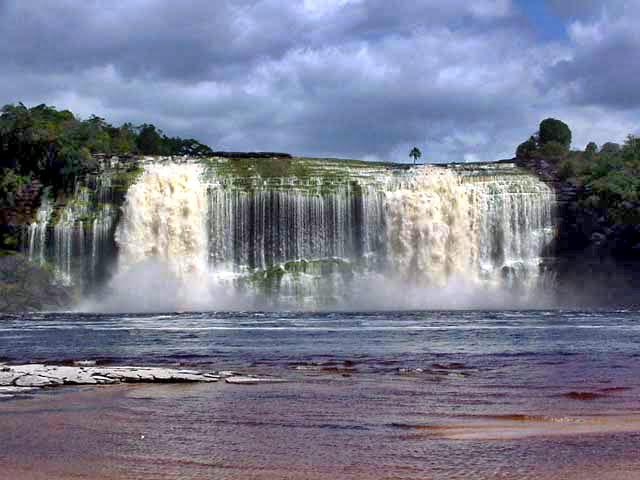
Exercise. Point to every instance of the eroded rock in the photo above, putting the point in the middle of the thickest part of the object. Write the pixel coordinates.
(23, 378)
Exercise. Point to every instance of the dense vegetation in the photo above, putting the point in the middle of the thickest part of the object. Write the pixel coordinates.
(55, 146)
(607, 178)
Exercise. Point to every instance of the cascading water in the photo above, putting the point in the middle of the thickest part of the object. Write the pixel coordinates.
(162, 240)
(76, 238)
(430, 234)
(303, 234)
(164, 218)
(513, 223)
(307, 243)
(37, 233)
(485, 231)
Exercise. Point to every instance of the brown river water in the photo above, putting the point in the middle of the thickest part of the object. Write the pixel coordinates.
(414, 395)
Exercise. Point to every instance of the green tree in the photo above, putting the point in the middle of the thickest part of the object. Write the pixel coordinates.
(631, 147)
(415, 153)
(149, 140)
(123, 139)
(553, 130)
(591, 149)
(56, 147)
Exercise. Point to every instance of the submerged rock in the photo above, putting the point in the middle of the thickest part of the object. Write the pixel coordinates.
(583, 395)
(249, 380)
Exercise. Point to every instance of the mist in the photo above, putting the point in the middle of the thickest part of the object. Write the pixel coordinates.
(152, 287)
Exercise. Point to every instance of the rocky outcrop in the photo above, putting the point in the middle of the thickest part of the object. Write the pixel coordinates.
(22, 204)
(25, 286)
(21, 379)
(596, 259)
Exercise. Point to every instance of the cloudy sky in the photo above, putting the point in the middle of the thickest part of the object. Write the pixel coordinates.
(462, 80)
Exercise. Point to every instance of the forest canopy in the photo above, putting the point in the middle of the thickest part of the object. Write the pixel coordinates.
(56, 146)
(607, 178)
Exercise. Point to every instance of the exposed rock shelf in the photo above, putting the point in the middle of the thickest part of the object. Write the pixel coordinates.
(19, 379)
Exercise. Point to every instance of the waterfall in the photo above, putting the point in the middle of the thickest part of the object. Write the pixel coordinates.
(430, 234)
(299, 233)
(75, 238)
(37, 231)
(514, 220)
(259, 229)
(485, 231)
(164, 218)
(102, 229)
(315, 241)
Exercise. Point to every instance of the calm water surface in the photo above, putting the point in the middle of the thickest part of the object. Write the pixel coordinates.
(510, 394)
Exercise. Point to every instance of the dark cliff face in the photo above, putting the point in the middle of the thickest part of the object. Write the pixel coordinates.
(596, 257)
(25, 286)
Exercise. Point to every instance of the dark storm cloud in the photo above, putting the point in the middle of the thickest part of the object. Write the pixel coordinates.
(191, 40)
(139, 38)
(358, 78)
(605, 64)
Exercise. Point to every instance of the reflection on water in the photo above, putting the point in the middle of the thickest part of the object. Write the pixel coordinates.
(376, 395)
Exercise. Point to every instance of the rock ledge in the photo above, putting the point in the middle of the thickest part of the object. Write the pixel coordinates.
(18, 379)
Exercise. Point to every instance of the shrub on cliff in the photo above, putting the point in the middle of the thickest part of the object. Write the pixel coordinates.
(10, 182)
(553, 150)
(591, 150)
(527, 149)
(607, 180)
(567, 169)
(612, 177)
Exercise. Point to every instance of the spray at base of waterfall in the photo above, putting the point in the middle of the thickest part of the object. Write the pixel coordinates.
(456, 294)
(153, 287)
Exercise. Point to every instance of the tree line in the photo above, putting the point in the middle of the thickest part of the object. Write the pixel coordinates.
(607, 177)
(56, 146)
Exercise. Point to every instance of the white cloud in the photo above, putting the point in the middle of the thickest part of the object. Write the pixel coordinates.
(371, 79)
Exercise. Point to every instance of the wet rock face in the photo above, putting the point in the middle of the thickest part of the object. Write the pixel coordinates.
(597, 261)
(20, 379)
(25, 286)
(595, 258)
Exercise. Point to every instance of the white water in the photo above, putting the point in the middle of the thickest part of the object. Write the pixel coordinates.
(164, 218)
(192, 237)
(430, 231)
(79, 244)
(162, 239)
(444, 225)
(37, 232)
(436, 233)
